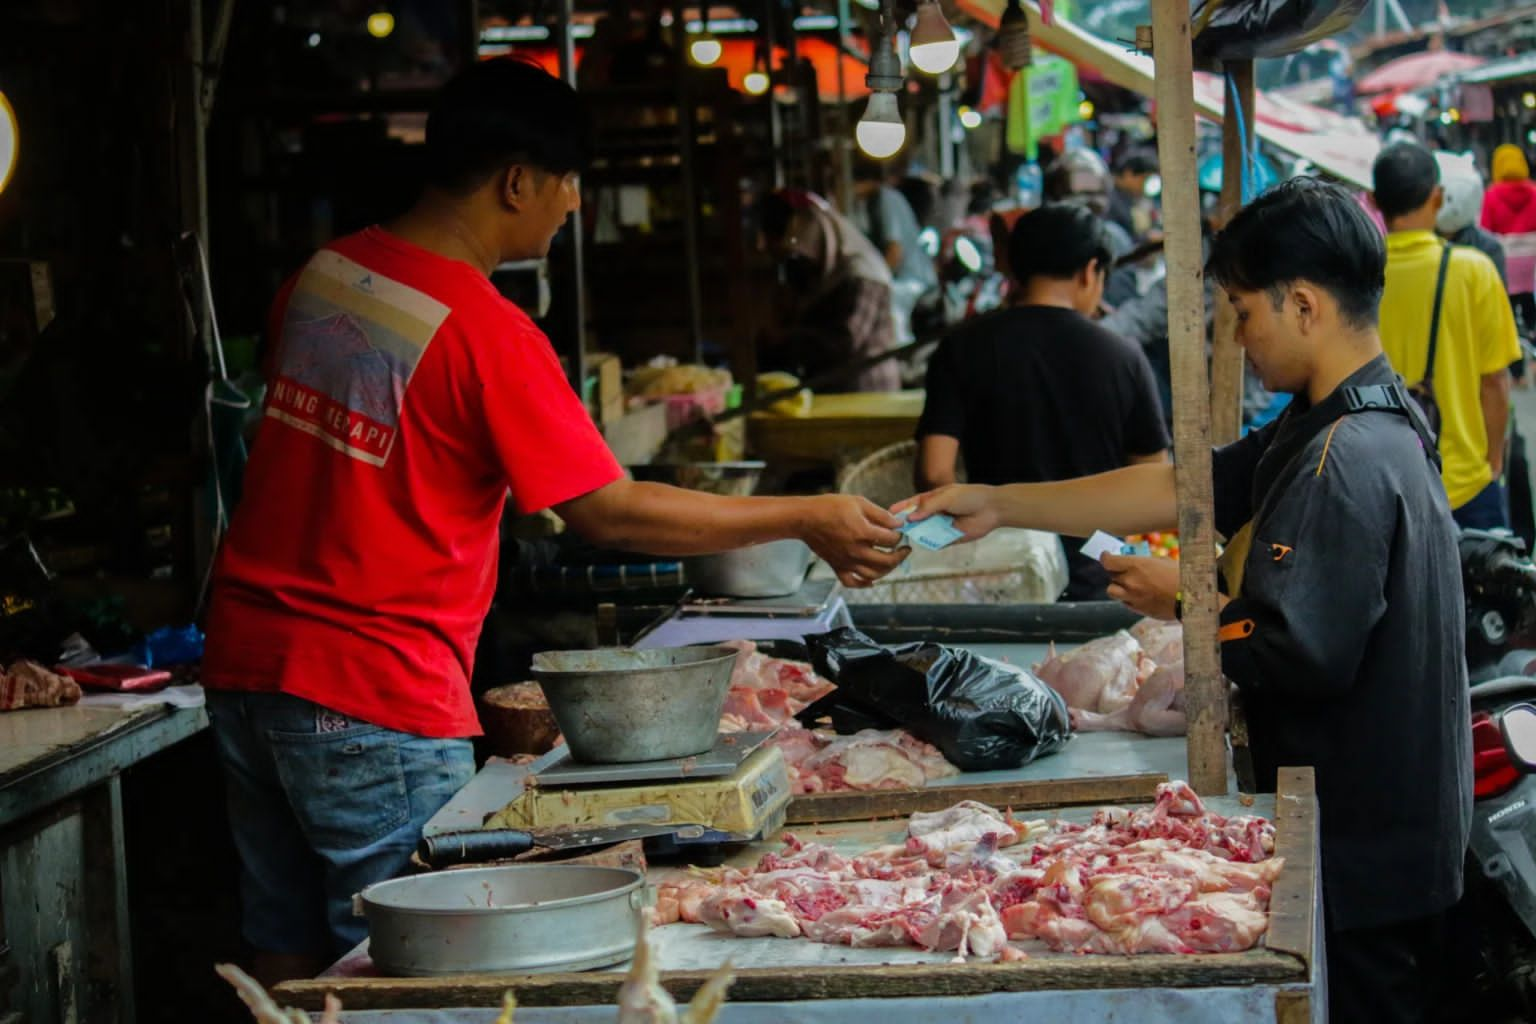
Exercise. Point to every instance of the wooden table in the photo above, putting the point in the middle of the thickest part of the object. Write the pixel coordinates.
(838, 430)
(65, 953)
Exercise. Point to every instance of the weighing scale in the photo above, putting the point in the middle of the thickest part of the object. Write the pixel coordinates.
(817, 607)
(735, 793)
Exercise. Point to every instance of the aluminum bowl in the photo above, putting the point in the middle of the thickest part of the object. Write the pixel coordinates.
(761, 570)
(618, 706)
(520, 918)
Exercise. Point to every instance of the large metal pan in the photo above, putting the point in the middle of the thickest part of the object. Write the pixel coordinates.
(619, 706)
(761, 570)
(520, 918)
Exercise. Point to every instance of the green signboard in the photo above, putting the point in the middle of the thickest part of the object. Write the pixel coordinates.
(1042, 101)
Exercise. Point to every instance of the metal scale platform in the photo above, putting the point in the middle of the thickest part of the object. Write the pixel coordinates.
(817, 607)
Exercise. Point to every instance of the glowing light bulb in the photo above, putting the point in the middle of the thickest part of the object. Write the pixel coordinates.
(969, 118)
(1529, 100)
(881, 131)
(380, 24)
(756, 82)
(934, 48)
(1085, 110)
(10, 141)
(705, 49)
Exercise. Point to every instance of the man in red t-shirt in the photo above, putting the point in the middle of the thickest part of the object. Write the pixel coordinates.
(407, 400)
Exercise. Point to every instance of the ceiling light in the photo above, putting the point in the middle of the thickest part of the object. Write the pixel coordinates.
(1013, 43)
(10, 141)
(380, 24)
(1529, 99)
(705, 49)
(313, 40)
(933, 48)
(881, 131)
(971, 119)
(756, 81)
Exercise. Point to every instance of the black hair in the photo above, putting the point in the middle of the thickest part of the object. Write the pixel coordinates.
(1305, 230)
(868, 170)
(1057, 240)
(1136, 162)
(774, 211)
(1403, 178)
(499, 112)
(920, 195)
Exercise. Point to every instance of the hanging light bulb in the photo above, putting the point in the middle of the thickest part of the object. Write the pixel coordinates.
(10, 141)
(934, 48)
(380, 23)
(705, 49)
(970, 118)
(881, 131)
(757, 81)
(1013, 43)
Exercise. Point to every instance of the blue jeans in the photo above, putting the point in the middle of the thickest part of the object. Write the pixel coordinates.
(322, 805)
(1488, 510)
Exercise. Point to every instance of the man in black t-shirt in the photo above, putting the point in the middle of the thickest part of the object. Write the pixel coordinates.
(1037, 391)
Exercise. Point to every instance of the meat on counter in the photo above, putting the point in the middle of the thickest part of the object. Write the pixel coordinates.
(26, 684)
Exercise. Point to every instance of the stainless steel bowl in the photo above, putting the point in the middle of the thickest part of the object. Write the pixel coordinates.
(732, 478)
(762, 570)
(618, 706)
(524, 918)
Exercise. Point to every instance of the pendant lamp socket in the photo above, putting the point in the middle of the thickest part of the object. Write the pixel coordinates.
(1013, 42)
(884, 74)
(933, 48)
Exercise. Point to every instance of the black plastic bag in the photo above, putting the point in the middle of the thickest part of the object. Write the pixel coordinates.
(982, 714)
(1246, 29)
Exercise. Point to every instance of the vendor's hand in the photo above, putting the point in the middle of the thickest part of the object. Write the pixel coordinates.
(1146, 585)
(970, 505)
(849, 532)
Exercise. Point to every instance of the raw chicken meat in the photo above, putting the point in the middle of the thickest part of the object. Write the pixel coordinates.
(1161, 641)
(823, 762)
(767, 692)
(1102, 675)
(1170, 878)
(642, 1000)
(28, 685)
(1156, 710)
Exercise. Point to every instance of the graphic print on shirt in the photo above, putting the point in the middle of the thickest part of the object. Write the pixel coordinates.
(351, 339)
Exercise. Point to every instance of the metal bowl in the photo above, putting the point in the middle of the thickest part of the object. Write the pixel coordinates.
(761, 570)
(525, 918)
(618, 706)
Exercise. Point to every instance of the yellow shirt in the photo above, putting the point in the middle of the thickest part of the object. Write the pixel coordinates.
(1477, 337)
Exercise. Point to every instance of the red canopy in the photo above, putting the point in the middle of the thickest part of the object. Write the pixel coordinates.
(1415, 71)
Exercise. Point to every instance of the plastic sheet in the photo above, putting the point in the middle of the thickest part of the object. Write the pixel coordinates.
(1246, 29)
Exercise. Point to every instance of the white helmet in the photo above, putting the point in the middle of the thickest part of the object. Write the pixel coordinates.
(1463, 193)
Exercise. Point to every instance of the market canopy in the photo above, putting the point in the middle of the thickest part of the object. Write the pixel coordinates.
(1415, 71)
(1338, 146)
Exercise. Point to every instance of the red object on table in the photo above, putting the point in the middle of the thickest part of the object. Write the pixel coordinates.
(122, 678)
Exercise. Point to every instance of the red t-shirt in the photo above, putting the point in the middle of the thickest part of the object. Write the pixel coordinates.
(406, 398)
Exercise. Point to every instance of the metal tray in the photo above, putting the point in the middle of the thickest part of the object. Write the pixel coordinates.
(527, 919)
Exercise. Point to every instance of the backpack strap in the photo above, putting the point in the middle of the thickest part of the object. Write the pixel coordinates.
(1434, 316)
(1393, 398)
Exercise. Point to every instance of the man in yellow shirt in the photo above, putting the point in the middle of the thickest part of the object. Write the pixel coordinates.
(1476, 339)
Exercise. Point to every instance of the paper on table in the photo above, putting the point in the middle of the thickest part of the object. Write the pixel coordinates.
(1101, 544)
(188, 696)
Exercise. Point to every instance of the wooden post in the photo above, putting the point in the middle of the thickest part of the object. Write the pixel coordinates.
(1226, 357)
(1204, 689)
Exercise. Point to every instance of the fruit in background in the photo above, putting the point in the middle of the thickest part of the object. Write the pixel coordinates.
(1163, 543)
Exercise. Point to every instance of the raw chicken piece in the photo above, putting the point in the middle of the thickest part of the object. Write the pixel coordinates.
(967, 923)
(757, 671)
(960, 827)
(1163, 642)
(1219, 922)
(642, 1000)
(1156, 710)
(821, 762)
(1102, 675)
(263, 1009)
(741, 912)
(28, 685)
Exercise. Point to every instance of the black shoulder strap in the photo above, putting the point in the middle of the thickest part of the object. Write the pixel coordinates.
(1393, 398)
(1434, 316)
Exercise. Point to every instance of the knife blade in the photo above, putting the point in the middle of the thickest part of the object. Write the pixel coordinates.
(476, 845)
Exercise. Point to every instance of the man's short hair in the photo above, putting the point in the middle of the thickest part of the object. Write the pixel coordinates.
(1305, 230)
(1403, 178)
(1057, 240)
(1136, 162)
(499, 112)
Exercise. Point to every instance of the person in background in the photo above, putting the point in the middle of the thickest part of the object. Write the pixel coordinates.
(1080, 175)
(886, 219)
(838, 289)
(1463, 203)
(1037, 391)
(408, 403)
(1509, 211)
(1128, 205)
(1342, 615)
(1476, 339)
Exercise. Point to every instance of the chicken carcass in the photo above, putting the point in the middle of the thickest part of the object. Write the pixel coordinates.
(1156, 710)
(935, 835)
(822, 762)
(1101, 676)
(1161, 641)
(642, 1000)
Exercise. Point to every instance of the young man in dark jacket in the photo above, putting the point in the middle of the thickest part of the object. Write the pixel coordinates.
(1343, 620)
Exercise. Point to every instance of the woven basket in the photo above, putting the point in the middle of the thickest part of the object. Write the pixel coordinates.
(1006, 567)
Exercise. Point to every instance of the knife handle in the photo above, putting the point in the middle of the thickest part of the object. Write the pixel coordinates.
(473, 846)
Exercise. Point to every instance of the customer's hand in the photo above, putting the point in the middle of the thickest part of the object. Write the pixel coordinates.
(972, 507)
(850, 533)
(1146, 585)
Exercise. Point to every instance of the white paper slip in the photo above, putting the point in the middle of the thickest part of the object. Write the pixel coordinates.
(1102, 543)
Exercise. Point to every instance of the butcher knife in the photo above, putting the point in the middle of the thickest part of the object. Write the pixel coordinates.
(478, 845)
